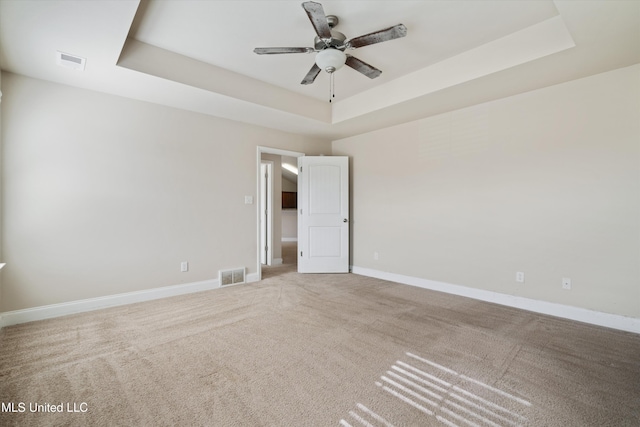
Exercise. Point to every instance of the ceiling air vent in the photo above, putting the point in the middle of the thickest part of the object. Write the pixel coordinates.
(70, 61)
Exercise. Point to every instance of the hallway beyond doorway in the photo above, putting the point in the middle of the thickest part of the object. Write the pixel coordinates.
(289, 261)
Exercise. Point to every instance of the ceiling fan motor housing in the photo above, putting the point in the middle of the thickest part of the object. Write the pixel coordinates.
(337, 41)
(337, 38)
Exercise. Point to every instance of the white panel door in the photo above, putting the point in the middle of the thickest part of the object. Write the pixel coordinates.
(323, 208)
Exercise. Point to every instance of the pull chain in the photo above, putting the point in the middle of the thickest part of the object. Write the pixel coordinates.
(331, 87)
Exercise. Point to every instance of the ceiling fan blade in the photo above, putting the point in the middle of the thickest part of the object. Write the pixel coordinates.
(278, 50)
(362, 67)
(311, 75)
(318, 19)
(387, 34)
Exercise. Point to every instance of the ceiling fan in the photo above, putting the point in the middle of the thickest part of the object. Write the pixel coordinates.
(330, 45)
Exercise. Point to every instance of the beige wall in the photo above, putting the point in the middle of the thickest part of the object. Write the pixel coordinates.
(546, 182)
(104, 195)
(290, 224)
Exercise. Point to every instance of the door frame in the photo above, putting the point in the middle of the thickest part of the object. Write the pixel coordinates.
(266, 212)
(259, 152)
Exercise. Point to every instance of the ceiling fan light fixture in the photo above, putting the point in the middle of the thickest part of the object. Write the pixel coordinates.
(330, 59)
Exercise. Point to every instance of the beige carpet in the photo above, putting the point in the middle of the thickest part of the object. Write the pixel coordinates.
(318, 350)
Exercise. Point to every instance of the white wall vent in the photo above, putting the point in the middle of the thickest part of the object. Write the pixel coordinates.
(70, 61)
(231, 277)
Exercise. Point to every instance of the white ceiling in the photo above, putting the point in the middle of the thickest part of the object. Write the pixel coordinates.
(226, 38)
(198, 55)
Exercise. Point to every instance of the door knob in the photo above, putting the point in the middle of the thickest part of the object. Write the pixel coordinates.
(345, 220)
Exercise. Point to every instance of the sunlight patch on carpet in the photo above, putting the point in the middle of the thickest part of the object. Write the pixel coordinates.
(439, 392)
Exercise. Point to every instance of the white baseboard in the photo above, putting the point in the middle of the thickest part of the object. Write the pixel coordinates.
(56, 310)
(276, 261)
(289, 239)
(629, 324)
(614, 321)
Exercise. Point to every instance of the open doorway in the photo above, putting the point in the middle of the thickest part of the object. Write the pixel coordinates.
(277, 222)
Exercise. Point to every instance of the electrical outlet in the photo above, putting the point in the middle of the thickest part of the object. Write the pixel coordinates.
(184, 266)
(566, 283)
(520, 277)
